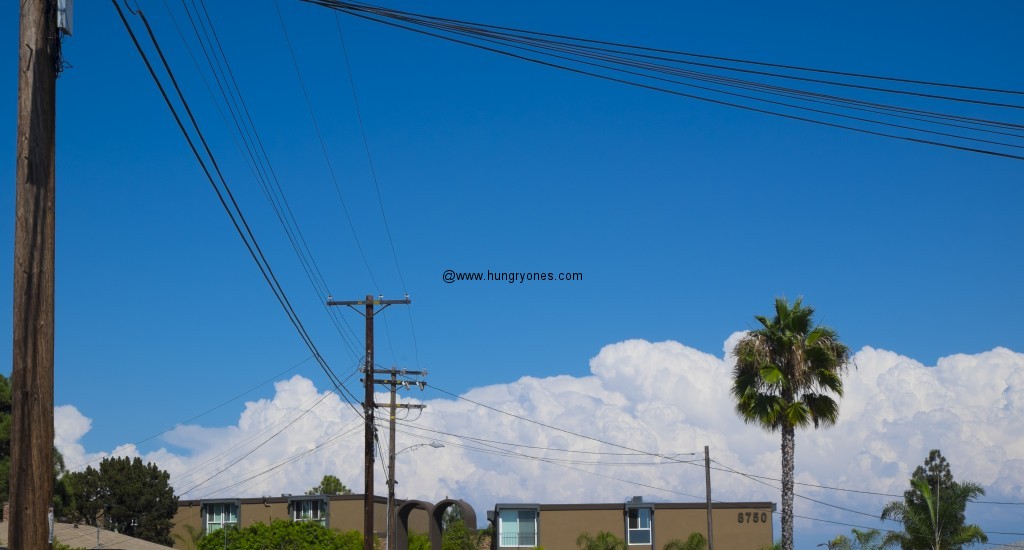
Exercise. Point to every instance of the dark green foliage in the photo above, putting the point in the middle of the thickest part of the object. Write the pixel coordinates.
(127, 496)
(870, 539)
(785, 376)
(933, 510)
(61, 498)
(455, 535)
(5, 437)
(291, 535)
(695, 541)
(786, 370)
(418, 541)
(330, 485)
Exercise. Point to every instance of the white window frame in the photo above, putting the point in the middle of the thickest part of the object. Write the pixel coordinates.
(642, 513)
(503, 518)
(220, 510)
(317, 510)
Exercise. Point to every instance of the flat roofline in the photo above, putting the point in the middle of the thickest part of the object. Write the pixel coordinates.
(280, 500)
(655, 505)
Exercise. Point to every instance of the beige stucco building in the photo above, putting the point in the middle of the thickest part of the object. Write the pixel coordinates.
(643, 525)
(338, 512)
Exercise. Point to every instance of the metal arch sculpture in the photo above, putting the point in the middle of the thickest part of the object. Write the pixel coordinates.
(435, 515)
(402, 514)
(468, 515)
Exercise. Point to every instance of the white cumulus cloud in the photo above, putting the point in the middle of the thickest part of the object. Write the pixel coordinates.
(662, 398)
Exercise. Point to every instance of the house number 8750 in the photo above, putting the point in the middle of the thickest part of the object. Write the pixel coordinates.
(752, 517)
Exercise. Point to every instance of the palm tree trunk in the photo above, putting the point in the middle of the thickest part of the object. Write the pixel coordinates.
(788, 467)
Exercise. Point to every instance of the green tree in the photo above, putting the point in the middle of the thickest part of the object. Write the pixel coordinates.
(60, 493)
(933, 510)
(870, 539)
(457, 536)
(5, 438)
(695, 541)
(604, 540)
(330, 485)
(293, 535)
(127, 496)
(419, 541)
(784, 373)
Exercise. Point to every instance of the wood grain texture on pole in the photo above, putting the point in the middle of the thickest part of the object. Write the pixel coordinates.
(369, 431)
(31, 484)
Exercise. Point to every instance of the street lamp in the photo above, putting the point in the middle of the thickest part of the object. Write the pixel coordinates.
(433, 444)
(391, 486)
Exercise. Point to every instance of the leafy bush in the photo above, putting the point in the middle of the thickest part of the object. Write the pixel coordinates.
(294, 535)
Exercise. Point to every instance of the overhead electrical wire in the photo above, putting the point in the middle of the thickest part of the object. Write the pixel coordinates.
(254, 151)
(258, 438)
(277, 467)
(539, 448)
(640, 67)
(268, 274)
(549, 426)
(225, 196)
(334, 178)
(256, 448)
(628, 448)
(505, 452)
(716, 101)
(323, 146)
(363, 5)
(376, 186)
(196, 417)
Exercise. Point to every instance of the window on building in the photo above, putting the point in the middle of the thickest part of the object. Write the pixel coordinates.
(638, 526)
(310, 510)
(221, 514)
(517, 528)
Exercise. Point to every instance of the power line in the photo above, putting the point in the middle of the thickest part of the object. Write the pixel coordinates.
(369, 7)
(224, 194)
(542, 424)
(287, 419)
(198, 416)
(254, 151)
(323, 145)
(254, 449)
(520, 445)
(479, 35)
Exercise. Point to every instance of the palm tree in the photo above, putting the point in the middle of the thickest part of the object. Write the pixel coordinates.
(604, 540)
(870, 539)
(783, 376)
(935, 525)
(695, 541)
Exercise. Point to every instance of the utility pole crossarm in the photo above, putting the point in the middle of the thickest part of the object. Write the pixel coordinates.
(369, 302)
(404, 406)
(369, 405)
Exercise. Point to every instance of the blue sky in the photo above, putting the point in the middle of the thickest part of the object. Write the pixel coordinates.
(685, 218)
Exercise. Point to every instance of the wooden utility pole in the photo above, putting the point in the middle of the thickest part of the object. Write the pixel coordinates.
(368, 406)
(707, 483)
(393, 407)
(31, 482)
